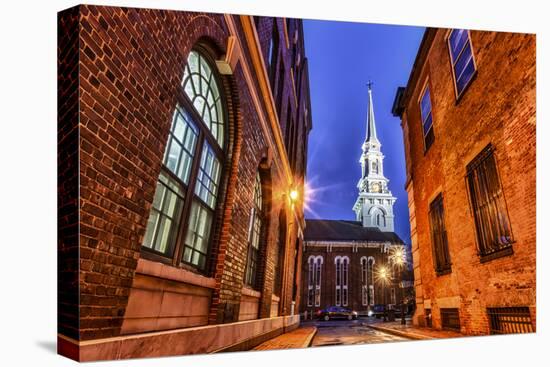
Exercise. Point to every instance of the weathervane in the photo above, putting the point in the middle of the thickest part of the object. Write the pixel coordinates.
(369, 84)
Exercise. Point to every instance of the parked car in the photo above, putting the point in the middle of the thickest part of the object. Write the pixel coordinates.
(336, 312)
(376, 311)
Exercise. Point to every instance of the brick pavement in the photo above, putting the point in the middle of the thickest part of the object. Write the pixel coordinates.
(299, 338)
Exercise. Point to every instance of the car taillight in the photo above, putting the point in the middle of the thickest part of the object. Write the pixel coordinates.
(319, 312)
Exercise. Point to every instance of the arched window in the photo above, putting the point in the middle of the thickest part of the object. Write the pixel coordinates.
(364, 282)
(202, 89)
(254, 237)
(342, 270)
(314, 281)
(188, 185)
(370, 279)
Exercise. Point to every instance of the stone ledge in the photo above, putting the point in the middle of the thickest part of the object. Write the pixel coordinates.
(194, 340)
(163, 271)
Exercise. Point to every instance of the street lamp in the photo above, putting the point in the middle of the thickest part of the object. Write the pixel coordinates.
(294, 195)
(399, 258)
(383, 276)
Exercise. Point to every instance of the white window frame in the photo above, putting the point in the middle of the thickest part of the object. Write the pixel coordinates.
(314, 280)
(341, 264)
(370, 282)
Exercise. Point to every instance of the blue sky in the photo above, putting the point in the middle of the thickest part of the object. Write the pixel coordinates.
(343, 57)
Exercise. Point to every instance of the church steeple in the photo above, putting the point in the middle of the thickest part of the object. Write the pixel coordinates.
(371, 124)
(374, 205)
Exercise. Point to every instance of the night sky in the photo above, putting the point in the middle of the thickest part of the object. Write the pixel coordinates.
(343, 57)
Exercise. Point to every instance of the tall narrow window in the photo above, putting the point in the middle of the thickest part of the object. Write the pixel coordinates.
(426, 115)
(462, 59)
(364, 282)
(318, 264)
(314, 281)
(392, 296)
(255, 233)
(341, 265)
(197, 132)
(338, 281)
(345, 270)
(494, 235)
(442, 258)
(370, 279)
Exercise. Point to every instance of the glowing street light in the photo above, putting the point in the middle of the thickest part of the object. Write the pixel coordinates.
(294, 195)
(383, 276)
(398, 256)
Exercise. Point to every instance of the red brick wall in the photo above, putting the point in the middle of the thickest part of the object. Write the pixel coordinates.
(328, 276)
(67, 173)
(131, 64)
(498, 108)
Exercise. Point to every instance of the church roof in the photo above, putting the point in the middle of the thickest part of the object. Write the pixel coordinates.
(345, 230)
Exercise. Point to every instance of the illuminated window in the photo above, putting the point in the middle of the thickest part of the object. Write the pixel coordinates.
(342, 270)
(314, 281)
(254, 237)
(197, 132)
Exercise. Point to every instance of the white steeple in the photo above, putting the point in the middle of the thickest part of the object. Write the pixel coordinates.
(374, 205)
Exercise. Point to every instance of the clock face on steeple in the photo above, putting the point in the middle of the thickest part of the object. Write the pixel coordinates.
(376, 187)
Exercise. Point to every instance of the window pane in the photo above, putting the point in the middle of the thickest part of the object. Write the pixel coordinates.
(198, 235)
(150, 231)
(161, 242)
(164, 217)
(466, 76)
(428, 124)
(462, 61)
(200, 85)
(456, 42)
(173, 156)
(208, 177)
(181, 145)
(425, 104)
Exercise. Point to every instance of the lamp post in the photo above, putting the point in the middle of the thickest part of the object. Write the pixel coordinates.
(398, 258)
(383, 277)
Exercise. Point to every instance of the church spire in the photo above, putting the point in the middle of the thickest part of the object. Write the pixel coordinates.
(374, 205)
(371, 125)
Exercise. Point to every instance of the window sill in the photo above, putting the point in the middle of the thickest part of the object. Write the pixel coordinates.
(496, 255)
(164, 271)
(246, 291)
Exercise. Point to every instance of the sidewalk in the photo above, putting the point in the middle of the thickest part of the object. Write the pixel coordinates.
(414, 332)
(299, 338)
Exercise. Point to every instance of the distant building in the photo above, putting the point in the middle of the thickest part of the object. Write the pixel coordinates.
(181, 138)
(343, 260)
(468, 119)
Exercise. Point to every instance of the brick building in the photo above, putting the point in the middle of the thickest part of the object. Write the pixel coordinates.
(468, 119)
(342, 264)
(182, 146)
(357, 264)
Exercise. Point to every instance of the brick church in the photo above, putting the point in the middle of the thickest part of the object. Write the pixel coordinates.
(182, 141)
(363, 263)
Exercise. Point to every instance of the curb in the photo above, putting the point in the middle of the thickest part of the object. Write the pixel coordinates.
(309, 339)
(404, 334)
